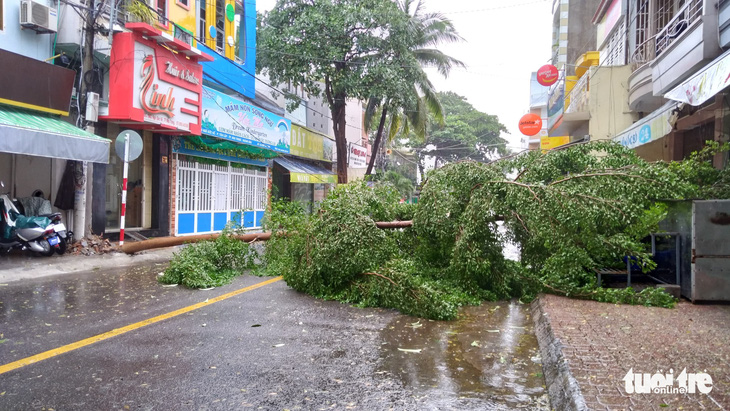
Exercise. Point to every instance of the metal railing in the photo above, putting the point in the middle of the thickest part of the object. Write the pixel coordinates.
(643, 53)
(683, 19)
(578, 96)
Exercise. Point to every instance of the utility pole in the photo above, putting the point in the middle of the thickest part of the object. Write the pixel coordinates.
(87, 65)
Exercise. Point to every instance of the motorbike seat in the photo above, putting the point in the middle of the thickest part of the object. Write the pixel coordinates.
(52, 216)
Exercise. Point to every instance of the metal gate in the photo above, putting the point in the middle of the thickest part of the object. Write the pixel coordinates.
(711, 250)
(210, 196)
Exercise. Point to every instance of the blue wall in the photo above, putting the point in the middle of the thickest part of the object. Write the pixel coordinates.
(21, 40)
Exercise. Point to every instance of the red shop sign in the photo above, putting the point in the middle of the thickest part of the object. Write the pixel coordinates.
(154, 87)
(547, 75)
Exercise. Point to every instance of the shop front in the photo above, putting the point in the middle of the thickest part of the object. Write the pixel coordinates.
(155, 87)
(306, 174)
(222, 177)
(36, 140)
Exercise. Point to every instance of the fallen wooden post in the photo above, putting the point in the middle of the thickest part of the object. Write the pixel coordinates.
(137, 246)
(131, 248)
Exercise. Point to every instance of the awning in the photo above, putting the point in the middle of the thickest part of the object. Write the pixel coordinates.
(301, 172)
(652, 127)
(701, 87)
(44, 135)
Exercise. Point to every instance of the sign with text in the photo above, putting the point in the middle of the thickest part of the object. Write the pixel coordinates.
(231, 119)
(549, 143)
(357, 156)
(310, 144)
(152, 86)
(652, 127)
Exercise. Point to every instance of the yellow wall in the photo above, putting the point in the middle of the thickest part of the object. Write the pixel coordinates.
(609, 103)
(181, 16)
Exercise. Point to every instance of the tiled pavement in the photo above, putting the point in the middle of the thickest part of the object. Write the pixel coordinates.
(601, 342)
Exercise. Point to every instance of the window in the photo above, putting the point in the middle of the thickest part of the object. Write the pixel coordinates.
(183, 35)
(183, 3)
(162, 10)
(201, 21)
(239, 31)
(220, 25)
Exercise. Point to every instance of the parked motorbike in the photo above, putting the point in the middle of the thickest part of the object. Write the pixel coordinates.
(43, 234)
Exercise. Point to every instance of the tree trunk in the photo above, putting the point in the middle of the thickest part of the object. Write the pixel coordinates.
(339, 124)
(378, 138)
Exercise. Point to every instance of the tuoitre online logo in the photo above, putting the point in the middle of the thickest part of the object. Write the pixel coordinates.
(684, 383)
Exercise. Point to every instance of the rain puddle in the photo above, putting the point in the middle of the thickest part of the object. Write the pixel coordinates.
(488, 358)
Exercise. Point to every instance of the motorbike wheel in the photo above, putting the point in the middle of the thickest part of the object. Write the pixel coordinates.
(48, 249)
(62, 246)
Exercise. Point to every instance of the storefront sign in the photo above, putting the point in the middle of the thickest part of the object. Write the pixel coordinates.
(231, 119)
(25, 83)
(556, 105)
(704, 85)
(306, 178)
(182, 146)
(549, 143)
(608, 22)
(530, 124)
(156, 87)
(309, 144)
(329, 149)
(653, 127)
(358, 156)
(547, 75)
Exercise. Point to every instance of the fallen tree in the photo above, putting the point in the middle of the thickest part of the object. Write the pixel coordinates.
(569, 211)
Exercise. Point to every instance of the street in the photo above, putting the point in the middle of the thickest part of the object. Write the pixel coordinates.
(266, 348)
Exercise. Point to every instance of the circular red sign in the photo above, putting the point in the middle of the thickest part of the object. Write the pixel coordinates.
(530, 124)
(547, 75)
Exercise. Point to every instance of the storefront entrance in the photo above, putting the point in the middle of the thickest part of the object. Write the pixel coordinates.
(211, 195)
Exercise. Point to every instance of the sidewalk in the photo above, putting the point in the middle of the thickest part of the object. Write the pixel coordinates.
(588, 348)
(24, 265)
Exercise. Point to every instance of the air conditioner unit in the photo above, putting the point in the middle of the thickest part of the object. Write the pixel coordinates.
(38, 17)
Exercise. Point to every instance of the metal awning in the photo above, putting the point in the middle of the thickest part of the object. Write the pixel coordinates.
(652, 127)
(39, 134)
(301, 172)
(708, 81)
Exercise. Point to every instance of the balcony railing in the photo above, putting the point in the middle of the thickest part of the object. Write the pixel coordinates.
(688, 14)
(643, 53)
(577, 99)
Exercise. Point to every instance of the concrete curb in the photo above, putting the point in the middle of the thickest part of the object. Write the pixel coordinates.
(24, 266)
(563, 389)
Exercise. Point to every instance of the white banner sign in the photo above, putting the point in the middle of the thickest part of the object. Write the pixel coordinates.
(358, 156)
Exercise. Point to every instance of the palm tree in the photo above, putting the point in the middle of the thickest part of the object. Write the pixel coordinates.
(409, 111)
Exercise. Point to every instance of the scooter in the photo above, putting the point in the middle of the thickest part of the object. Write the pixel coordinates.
(42, 234)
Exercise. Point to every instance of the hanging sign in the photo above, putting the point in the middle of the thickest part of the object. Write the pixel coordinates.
(234, 120)
(547, 75)
(530, 124)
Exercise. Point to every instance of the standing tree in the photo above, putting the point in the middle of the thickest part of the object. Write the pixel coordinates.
(467, 133)
(410, 107)
(343, 44)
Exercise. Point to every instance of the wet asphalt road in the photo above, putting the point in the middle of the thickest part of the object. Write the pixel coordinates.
(269, 348)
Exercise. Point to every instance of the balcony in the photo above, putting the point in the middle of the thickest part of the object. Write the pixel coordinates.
(641, 91)
(686, 43)
(576, 101)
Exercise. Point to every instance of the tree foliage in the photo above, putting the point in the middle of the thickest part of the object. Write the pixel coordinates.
(570, 211)
(344, 49)
(466, 133)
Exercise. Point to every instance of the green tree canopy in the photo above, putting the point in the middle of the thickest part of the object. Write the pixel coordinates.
(342, 49)
(467, 133)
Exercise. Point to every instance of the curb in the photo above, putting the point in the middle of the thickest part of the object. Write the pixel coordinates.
(563, 389)
(26, 267)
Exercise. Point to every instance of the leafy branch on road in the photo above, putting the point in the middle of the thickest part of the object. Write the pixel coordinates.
(573, 210)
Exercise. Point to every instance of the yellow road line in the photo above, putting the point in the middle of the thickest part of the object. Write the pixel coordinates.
(117, 331)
